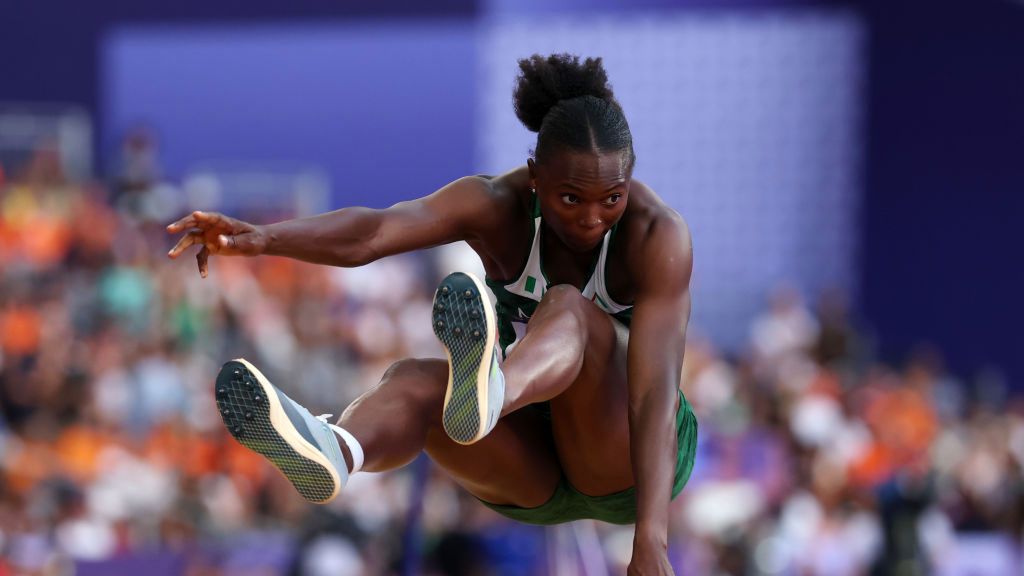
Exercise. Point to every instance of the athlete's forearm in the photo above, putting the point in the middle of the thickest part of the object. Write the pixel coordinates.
(653, 447)
(655, 358)
(339, 238)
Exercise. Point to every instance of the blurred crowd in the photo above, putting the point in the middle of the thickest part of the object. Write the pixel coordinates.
(813, 458)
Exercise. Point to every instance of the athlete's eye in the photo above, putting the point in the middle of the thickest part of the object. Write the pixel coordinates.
(570, 199)
(613, 199)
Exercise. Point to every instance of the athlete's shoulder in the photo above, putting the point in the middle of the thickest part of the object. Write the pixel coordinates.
(649, 219)
(496, 210)
(510, 190)
(658, 252)
(484, 196)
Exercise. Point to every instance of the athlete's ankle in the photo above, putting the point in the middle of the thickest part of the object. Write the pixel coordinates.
(347, 454)
(351, 449)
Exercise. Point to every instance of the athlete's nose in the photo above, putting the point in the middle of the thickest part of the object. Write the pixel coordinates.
(590, 220)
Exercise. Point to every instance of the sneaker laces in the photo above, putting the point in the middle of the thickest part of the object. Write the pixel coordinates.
(324, 418)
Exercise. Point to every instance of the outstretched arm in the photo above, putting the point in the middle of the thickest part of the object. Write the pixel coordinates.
(348, 237)
(656, 339)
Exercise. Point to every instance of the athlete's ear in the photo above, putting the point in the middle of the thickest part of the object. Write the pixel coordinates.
(532, 167)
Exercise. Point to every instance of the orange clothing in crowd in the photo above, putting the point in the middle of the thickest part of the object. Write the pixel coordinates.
(45, 240)
(874, 466)
(20, 330)
(903, 419)
(185, 450)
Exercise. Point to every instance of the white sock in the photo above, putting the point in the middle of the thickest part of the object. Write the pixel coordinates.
(354, 447)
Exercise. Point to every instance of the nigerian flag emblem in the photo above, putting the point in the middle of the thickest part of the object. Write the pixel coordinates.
(531, 283)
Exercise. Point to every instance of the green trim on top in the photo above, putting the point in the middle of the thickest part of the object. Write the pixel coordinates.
(512, 306)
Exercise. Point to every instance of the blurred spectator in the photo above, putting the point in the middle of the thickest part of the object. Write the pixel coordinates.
(140, 192)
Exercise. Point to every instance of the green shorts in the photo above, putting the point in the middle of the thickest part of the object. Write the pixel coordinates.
(568, 504)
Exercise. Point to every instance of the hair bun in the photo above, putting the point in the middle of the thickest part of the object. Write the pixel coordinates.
(544, 81)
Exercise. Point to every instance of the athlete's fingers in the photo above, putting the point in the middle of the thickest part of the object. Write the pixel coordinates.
(186, 222)
(202, 259)
(194, 237)
(244, 243)
(236, 243)
(205, 216)
(219, 221)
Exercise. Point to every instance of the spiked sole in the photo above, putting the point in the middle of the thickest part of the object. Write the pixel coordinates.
(253, 414)
(466, 327)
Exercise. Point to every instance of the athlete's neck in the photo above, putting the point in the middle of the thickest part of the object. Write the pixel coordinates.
(562, 264)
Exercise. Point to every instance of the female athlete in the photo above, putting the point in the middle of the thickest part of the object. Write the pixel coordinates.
(583, 416)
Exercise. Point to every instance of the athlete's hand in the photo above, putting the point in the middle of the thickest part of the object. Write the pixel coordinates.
(649, 560)
(217, 234)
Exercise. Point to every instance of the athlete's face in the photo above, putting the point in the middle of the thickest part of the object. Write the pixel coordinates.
(582, 194)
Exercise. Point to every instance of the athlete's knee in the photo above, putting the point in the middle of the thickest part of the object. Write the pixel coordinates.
(563, 309)
(424, 379)
(562, 293)
(566, 299)
(578, 316)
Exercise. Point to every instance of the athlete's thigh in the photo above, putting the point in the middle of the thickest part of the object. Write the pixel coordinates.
(590, 419)
(515, 464)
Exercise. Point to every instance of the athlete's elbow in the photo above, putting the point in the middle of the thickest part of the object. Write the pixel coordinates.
(354, 256)
(360, 246)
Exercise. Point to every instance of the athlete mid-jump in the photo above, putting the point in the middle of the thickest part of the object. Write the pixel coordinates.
(577, 416)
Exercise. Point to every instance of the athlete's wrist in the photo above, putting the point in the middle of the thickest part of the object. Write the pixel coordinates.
(651, 535)
(270, 238)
